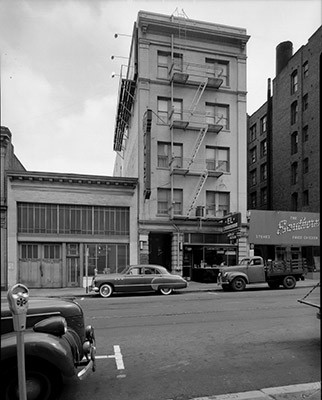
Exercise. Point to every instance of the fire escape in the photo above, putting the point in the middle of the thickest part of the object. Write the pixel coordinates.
(195, 77)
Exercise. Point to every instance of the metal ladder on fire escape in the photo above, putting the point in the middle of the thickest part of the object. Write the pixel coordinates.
(199, 187)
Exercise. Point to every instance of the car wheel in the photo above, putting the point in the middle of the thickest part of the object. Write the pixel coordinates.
(166, 291)
(289, 282)
(42, 382)
(238, 284)
(106, 290)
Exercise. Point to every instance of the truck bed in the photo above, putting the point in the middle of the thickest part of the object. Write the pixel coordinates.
(294, 267)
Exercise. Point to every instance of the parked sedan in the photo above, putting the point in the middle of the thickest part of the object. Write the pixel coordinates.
(138, 278)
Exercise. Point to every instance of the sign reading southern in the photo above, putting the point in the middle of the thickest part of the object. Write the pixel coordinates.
(284, 228)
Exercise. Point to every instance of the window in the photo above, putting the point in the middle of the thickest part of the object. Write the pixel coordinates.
(217, 158)
(165, 111)
(305, 102)
(294, 201)
(253, 177)
(253, 200)
(253, 157)
(294, 173)
(294, 82)
(305, 165)
(263, 148)
(294, 142)
(263, 172)
(217, 203)
(218, 69)
(72, 220)
(164, 155)
(29, 251)
(217, 114)
(305, 198)
(305, 133)
(263, 196)
(294, 112)
(253, 132)
(52, 251)
(263, 124)
(306, 69)
(164, 201)
(164, 64)
(163, 105)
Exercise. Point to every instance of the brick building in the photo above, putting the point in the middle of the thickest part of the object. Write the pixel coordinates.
(284, 136)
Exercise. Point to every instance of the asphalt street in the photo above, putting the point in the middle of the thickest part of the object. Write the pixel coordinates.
(201, 345)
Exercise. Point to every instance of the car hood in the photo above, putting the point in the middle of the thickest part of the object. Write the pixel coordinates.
(233, 268)
(103, 277)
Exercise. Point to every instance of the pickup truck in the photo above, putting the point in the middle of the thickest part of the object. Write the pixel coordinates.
(57, 346)
(254, 270)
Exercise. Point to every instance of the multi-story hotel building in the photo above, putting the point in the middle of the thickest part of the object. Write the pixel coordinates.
(181, 129)
(284, 136)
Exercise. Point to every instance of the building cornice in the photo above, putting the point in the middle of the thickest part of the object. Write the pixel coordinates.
(72, 179)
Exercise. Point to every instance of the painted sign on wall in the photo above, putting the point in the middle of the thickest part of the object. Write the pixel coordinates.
(284, 228)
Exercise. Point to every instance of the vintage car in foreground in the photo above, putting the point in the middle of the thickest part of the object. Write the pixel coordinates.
(138, 278)
(57, 346)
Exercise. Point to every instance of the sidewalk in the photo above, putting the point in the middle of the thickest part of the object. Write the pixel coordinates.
(192, 287)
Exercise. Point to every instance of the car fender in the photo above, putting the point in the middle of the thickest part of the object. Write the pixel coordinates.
(232, 275)
(161, 282)
(55, 350)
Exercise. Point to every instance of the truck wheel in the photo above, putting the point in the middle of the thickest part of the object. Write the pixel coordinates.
(238, 284)
(42, 382)
(106, 290)
(289, 282)
(273, 285)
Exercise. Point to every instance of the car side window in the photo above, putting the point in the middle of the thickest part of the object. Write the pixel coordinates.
(148, 271)
(135, 271)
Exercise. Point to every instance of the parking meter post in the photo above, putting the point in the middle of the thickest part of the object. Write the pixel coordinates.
(18, 296)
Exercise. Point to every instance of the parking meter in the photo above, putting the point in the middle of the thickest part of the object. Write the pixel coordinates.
(18, 296)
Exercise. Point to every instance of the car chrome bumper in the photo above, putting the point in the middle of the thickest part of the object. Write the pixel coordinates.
(94, 289)
(89, 347)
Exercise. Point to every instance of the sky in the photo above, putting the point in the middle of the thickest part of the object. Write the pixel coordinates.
(58, 97)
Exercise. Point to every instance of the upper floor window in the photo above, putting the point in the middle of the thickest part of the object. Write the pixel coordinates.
(305, 165)
(305, 133)
(263, 172)
(217, 114)
(164, 201)
(165, 157)
(253, 200)
(305, 198)
(294, 82)
(306, 69)
(217, 203)
(294, 173)
(294, 142)
(218, 69)
(294, 112)
(253, 177)
(252, 135)
(263, 148)
(263, 124)
(305, 102)
(253, 156)
(294, 201)
(165, 110)
(217, 158)
(165, 63)
(263, 196)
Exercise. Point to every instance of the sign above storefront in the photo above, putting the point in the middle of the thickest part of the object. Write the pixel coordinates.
(231, 222)
(284, 228)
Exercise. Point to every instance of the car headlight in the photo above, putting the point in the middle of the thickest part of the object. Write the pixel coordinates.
(225, 274)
